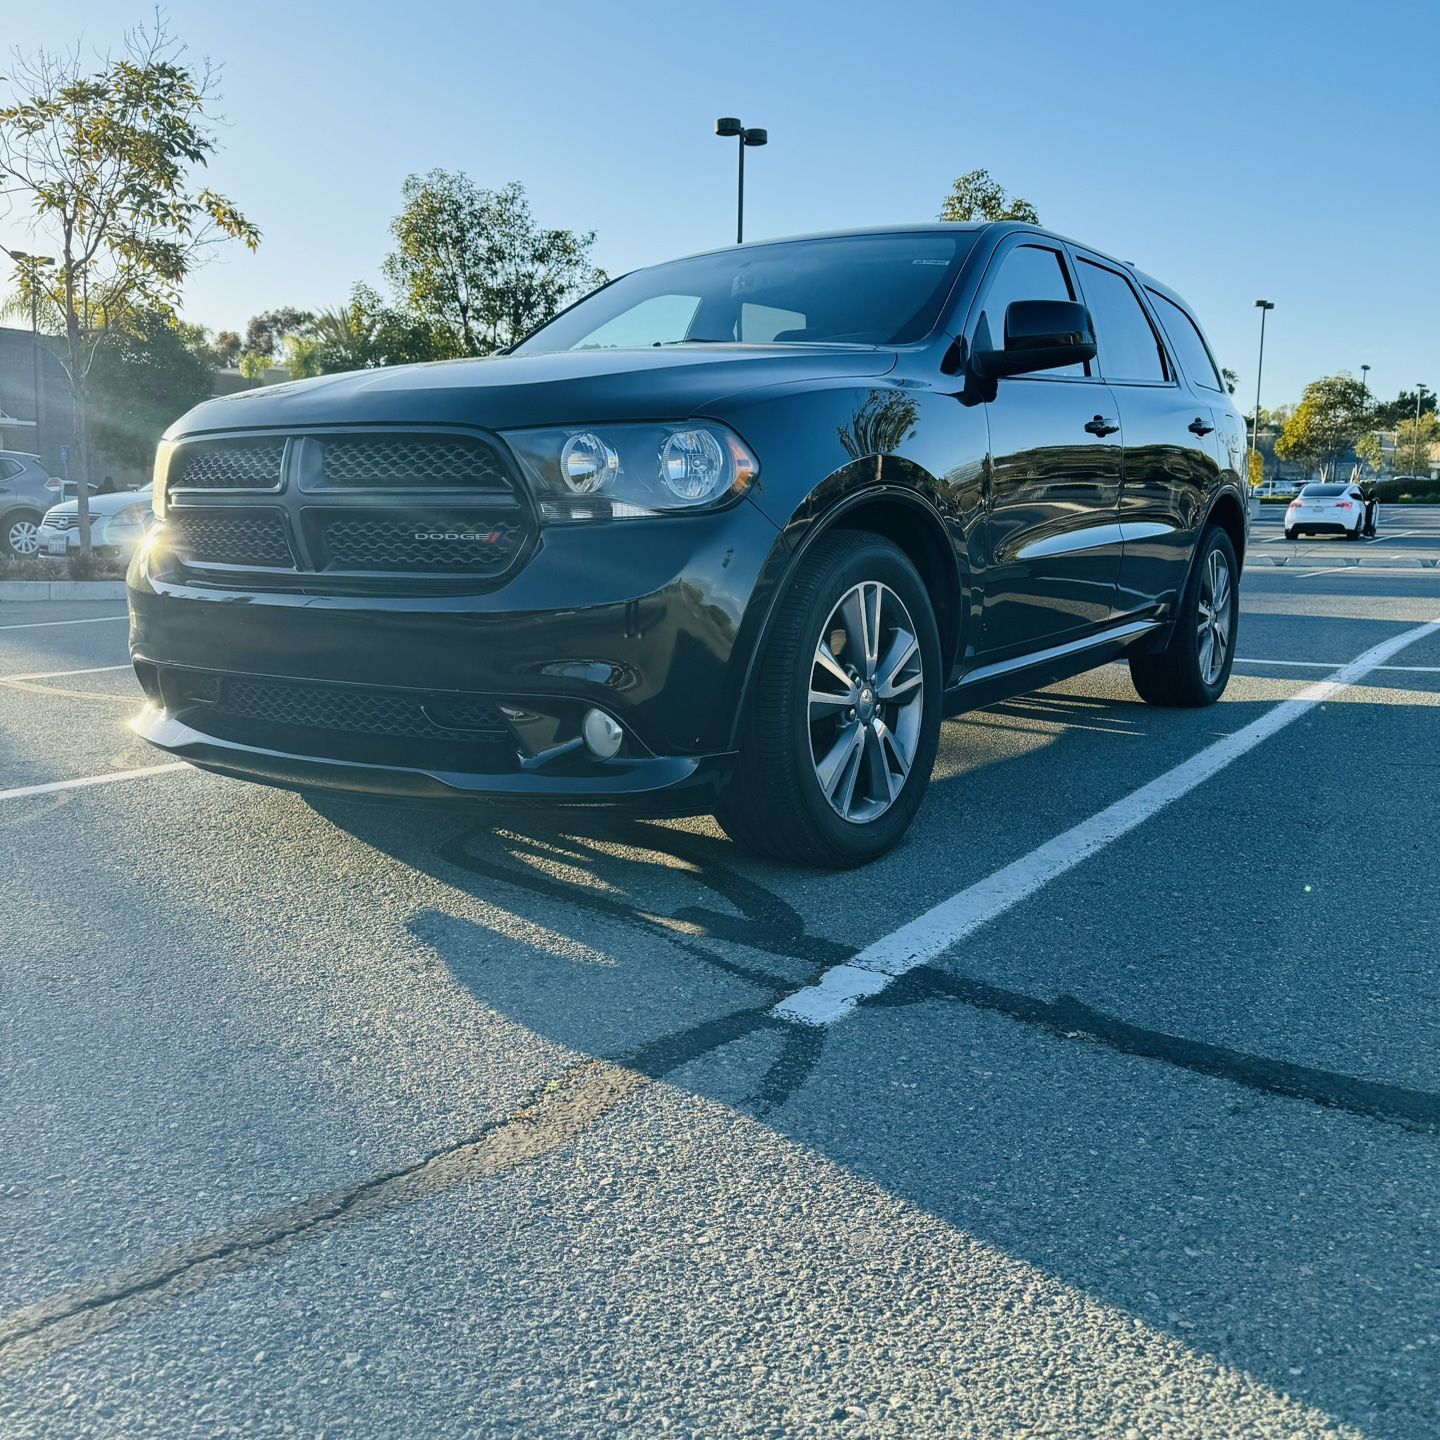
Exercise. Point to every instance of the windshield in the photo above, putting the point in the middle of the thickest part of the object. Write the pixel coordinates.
(855, 290)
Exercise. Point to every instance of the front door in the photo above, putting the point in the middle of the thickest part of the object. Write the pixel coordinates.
(1051, 534)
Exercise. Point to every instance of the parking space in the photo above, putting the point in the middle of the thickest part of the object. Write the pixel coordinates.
(332, 1118)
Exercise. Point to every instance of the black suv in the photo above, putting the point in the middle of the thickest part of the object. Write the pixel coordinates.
(731, 534)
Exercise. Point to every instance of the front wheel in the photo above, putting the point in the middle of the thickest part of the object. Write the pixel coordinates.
(20, 534)
(1194, 667)
(839, 737)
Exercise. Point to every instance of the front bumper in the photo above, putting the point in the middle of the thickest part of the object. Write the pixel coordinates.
(651, 621)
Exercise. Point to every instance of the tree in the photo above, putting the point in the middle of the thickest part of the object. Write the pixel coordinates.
(366, 332)
(1369, 451)
(1231, 379)
(977, 196)
(103, 159)
(266, 332)
(1331, 416)
(1413, 443)
(1390, 413)
(471, 262)
(1255, 469)
(226, 349)
(253, 365)
(302, 356)
(146, 373)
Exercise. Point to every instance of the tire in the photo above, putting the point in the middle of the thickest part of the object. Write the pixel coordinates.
(1355, 533)
(817, 781)
(19, 533)
(1186, 672)
(1291, 534)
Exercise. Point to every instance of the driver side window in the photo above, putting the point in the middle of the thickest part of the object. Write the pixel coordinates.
(1028, 272)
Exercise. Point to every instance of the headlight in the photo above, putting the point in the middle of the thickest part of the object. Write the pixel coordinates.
(163, 451)
(611, 471)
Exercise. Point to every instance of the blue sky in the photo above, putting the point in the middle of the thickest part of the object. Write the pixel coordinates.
(1277, 148)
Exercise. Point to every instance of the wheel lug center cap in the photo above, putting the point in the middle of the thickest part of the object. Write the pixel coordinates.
(865, 705)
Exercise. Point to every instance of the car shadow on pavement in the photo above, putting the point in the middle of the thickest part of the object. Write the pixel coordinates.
(1282, 1237)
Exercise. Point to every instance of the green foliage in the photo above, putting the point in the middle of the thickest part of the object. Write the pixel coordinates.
(1370, 452)
(1389, 413)
(366, 332)
(977, 196)
(146, 374)
(253, 365)
(1255, 469)
(266, 333)
(302, 356)
(226, 349)
(1231, 379)
(472, 264)
(1331, 416)
(1413, 444)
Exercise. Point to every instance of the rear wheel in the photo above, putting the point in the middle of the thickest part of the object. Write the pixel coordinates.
(1291, 534)
(1194, 667)
(841, 731)
(20, 533)
(1355, 533)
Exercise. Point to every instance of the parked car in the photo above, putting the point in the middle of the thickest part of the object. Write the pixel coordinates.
(118, 522)
(731, 534)
(26, 492)
(1327, 510)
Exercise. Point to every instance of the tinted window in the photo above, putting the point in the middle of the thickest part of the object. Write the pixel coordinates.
(9, 469)
(1188, 343)
(658, 320)
(1128, 347)
(1322, 491)
(852, 289)
(1028, 272)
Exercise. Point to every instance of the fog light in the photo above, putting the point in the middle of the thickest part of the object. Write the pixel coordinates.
(602, 734)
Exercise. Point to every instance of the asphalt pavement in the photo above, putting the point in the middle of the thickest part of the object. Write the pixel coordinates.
(330, 1119)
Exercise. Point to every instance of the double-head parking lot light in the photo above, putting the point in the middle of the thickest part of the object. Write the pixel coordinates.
(728, 125)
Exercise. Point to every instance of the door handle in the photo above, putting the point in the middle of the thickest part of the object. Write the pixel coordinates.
(1198, 427)
(1101, 426)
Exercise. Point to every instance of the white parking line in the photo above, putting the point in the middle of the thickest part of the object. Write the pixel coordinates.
(1336, 664)
(41, 624)
(58, 674)
(842, 987)
(86, 780)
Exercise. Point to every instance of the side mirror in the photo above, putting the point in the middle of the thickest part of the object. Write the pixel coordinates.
(1039, 335)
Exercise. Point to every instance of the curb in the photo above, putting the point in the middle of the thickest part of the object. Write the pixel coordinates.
(16, 590)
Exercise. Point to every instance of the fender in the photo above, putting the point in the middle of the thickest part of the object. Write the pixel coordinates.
(888, 478)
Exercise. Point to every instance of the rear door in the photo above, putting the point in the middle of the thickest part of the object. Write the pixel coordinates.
(1171, 447)
(1051, 534)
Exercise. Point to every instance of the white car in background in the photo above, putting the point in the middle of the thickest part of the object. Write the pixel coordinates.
(117, 524)
(1327, 510)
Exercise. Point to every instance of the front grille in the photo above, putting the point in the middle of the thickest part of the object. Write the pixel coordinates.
(244, 537)
(410, 462)
(360, 508)
(452, 542)
(228, 465)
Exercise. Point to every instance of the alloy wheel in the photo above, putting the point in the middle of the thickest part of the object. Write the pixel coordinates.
(867, 686)
(23, 537)
(1217, 614)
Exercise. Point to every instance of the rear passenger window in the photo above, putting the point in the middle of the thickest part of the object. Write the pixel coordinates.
(1028, 272)
(1129, 347)
(1194, 355)
(9, 469)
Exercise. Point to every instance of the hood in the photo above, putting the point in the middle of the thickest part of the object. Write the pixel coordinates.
(506, 391)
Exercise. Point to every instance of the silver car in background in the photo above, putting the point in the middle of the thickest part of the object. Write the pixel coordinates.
(118, 522)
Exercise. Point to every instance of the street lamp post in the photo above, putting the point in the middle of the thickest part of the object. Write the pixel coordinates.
(1419, 395)
(1365, 382)
(1262, 306)
(729, 125)
(33, 263)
